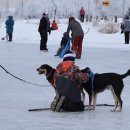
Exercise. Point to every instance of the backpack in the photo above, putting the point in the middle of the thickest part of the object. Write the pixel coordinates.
(68, 88)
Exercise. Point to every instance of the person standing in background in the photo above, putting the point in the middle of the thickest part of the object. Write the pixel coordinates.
(77, 36)
(9, 28)
(82, 14)
(54, 25)
(125, 26)
(44, 28)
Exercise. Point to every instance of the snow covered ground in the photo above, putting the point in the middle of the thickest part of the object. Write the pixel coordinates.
(101, 52)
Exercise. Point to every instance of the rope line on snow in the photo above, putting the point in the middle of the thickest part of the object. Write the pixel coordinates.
(22, 79)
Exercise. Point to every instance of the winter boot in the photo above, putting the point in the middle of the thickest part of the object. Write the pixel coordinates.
(54, 103)
(60, 104)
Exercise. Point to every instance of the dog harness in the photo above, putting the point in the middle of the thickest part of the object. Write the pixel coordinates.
(48, 75)
(92, 79)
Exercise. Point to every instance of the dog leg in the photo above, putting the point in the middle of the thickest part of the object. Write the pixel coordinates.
(82, 96)
(90, 101)
(94, 100)
(119, 103)
(115, 107)
(116, 100)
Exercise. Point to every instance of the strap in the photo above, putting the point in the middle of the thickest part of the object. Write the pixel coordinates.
(92, 79)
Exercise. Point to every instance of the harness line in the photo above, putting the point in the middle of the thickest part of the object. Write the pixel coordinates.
(22, 79)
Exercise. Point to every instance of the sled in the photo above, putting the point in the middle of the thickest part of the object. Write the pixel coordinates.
(67, 47)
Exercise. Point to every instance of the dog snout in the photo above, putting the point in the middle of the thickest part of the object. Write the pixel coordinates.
(37, 69)
(41, 71)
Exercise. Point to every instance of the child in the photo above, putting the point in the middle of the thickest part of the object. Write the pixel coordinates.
(62, 44)
(54, 26)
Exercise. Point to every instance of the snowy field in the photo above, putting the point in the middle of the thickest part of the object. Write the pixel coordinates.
(101, 52)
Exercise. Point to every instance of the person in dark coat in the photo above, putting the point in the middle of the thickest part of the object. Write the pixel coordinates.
(9, 27)
(44, 28)
(125, 26)
(68, 79)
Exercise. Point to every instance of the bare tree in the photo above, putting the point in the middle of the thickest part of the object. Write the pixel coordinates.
(55, 10)
(7, 6)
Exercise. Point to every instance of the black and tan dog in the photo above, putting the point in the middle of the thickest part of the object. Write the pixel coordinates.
(48, 71)
(97, 83)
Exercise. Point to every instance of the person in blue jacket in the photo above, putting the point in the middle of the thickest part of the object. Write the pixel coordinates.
(9, 27)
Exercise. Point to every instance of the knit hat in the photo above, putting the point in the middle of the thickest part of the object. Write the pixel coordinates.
(71, 18)
(65, 34)
(44, 14)
(69, 56)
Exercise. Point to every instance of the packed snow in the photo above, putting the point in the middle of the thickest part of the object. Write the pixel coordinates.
(21, 57)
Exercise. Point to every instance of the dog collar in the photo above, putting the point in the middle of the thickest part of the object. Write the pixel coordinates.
(48, 74)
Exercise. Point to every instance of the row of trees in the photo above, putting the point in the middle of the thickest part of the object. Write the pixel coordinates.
(64, 8)
(61, 8)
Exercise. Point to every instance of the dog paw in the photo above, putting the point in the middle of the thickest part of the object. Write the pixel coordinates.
(112, 110)
(115, 110)
(91, 108)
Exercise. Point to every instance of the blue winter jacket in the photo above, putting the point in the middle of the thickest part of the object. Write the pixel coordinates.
(9, 24)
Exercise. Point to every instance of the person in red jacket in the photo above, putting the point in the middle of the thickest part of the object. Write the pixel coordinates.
(54, 26)
(82, 14)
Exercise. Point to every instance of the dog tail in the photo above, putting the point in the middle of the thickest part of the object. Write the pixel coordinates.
(126, 74)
